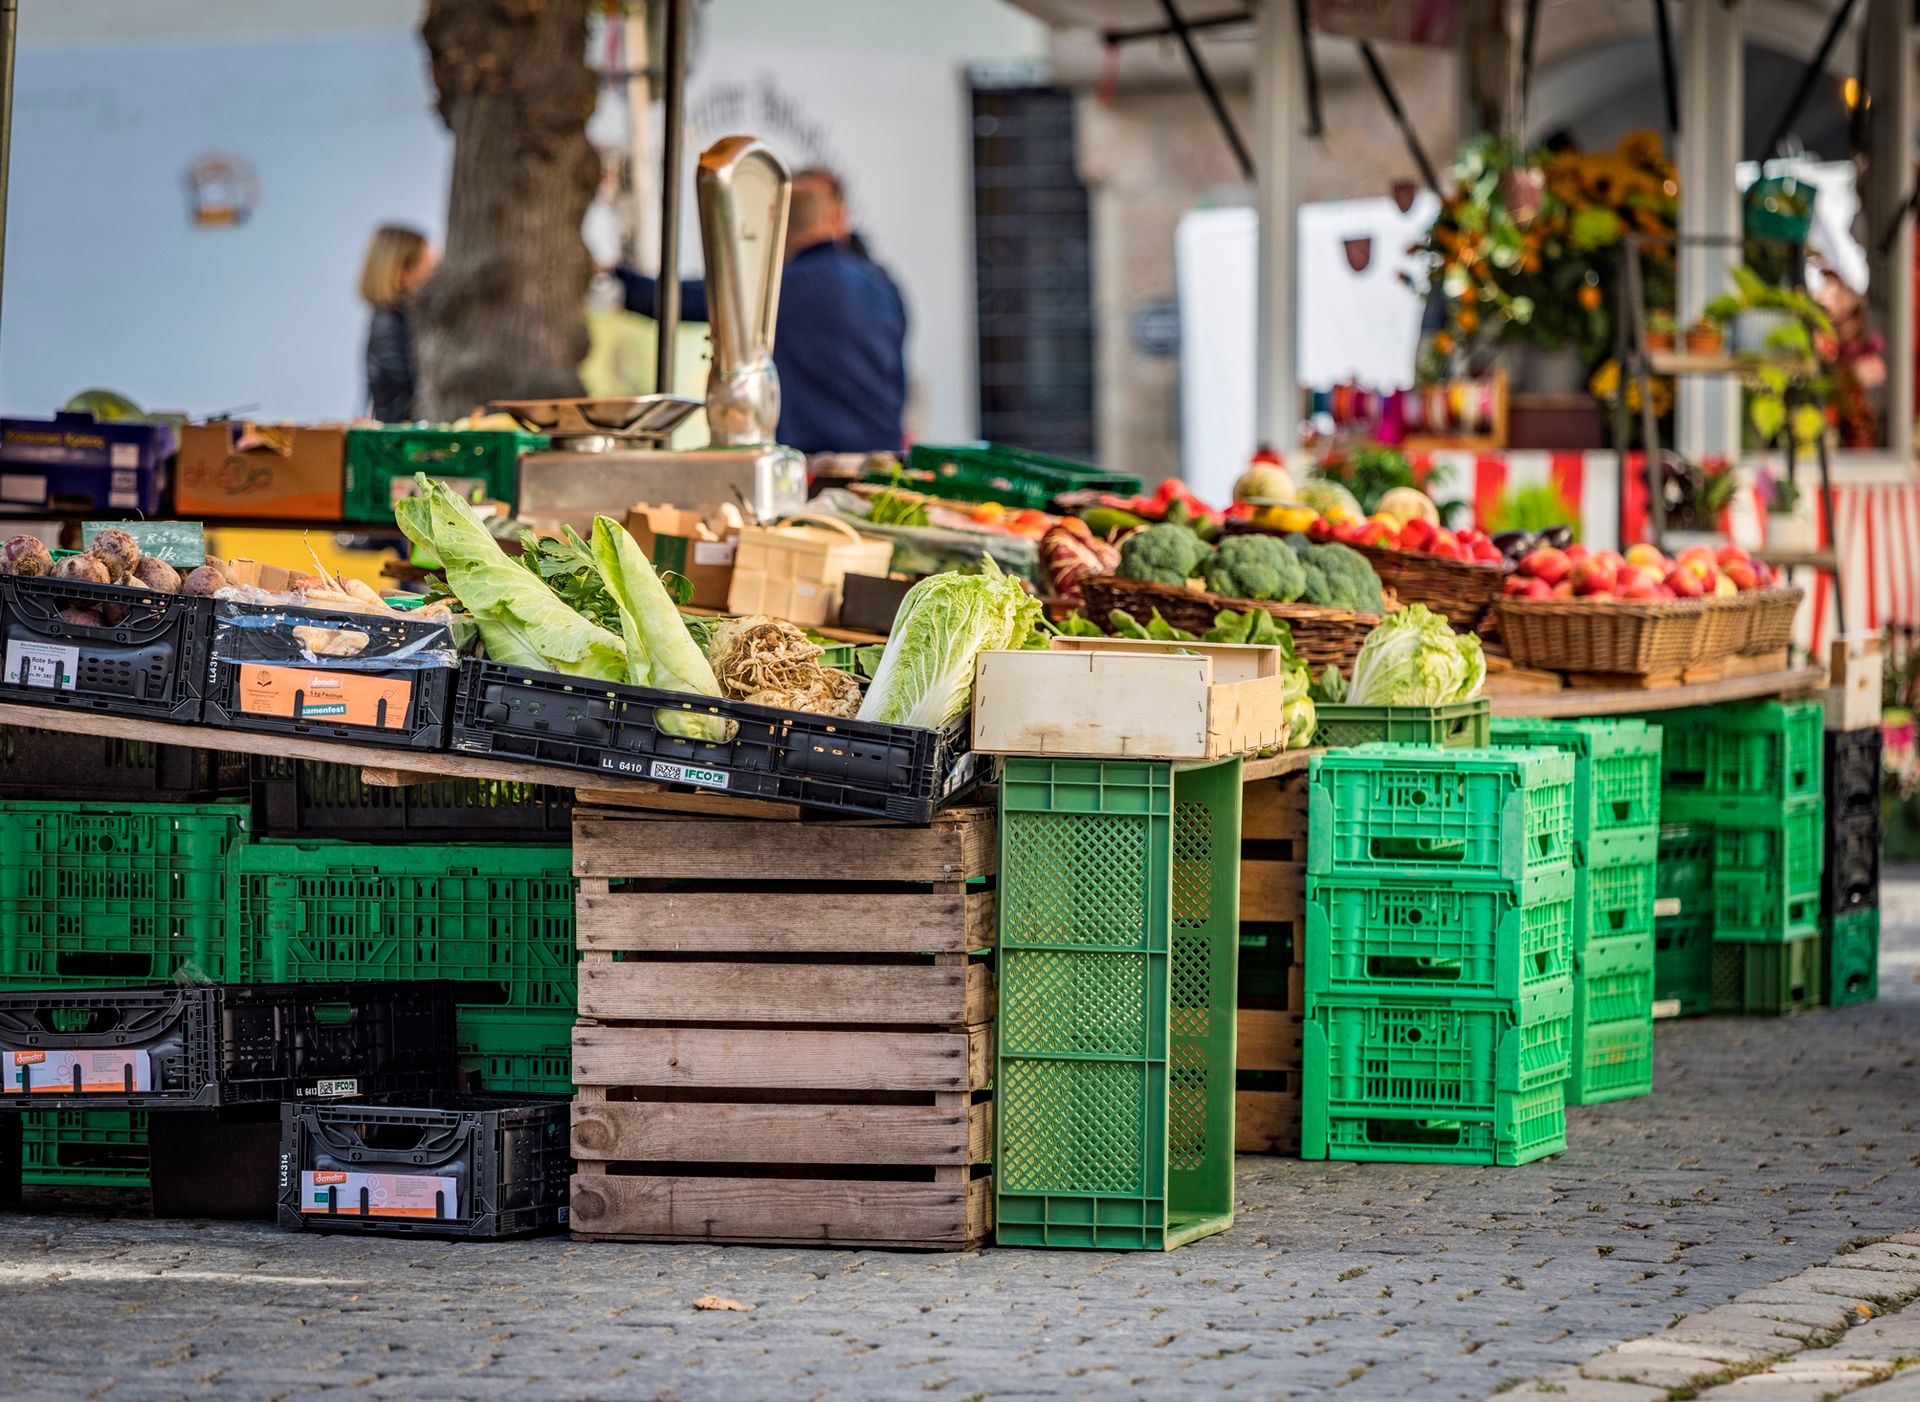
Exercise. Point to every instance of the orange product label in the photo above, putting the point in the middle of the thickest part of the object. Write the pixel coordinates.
(308, 693)
(29, 1058)
(105, 1071)
(387, 1194)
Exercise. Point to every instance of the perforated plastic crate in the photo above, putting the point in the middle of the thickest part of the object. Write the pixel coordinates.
(1119, 920)
(1616, 780)
(305, 798)
(1461, 723)
(512, 1051)
(1766, 876)
(1614, 1062)
(1850, 873)
(1445, 815)
(45, 765)
(381, 463)
(1683, 966)
(1623, 993)
(115, 894)
(1773, 979)
(84, 1148)
(1412, 936)
(1853, 771)
(1614, 901)
(1853, 957)
(1735, 762)
(1010, 476)
(1683, 874)
(1525, 1128)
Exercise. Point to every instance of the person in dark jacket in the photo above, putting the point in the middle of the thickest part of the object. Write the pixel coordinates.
(399, 261)
(840, 343)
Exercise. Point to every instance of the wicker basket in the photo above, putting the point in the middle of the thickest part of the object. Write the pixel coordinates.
(1770, 627)
(1601, 635)
(1724, 631)
(1320, 635)
(1460, 589)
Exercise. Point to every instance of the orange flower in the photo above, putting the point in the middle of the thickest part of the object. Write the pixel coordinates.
(1443, 342)
(1589, 297)
(1467, 318)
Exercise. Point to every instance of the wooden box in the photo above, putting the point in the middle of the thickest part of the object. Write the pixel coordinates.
(786, 1031)
(1273, 874)
(1116, 698)
(795, 570)
(1853, 677)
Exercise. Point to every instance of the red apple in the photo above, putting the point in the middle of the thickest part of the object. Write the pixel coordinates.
(1763, 572)
(1684, 582)
(1664, 593)
(1577, 552)
(1546, 563)
(1643, 589)
(1741, 572)
(1594, 575)
(1627, 576)
(1730, 555)
(1648, 557)
(1563, 590)
(1521, 586)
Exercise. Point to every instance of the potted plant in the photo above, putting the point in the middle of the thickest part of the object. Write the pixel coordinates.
(1704, 338)
(1660, 330)
(1790, 523)
(1769, 322)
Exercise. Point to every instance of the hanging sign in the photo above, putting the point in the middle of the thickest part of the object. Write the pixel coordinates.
(1434, 22)
(222, 189)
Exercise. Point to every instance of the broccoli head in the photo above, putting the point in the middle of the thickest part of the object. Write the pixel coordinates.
(1339, 577)
(1162, 554)
(1255, 567)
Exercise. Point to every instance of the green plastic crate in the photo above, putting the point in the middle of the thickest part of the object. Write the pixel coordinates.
(1010, 476)
(115, 895)
(1442, 815)
(1736, 762)
(515, 1051)
(1119, 905)
(1616, 781)
(499, 920)
(1463, 724)
(1766, 876)
(1683, 966)
(1614, 1061)
(1853, 957)
(1428, 1058)
(1771, 979)
(1523, 1129)
(83, 1148)
(1613, 901)
(1416, 937)
(1683, 874)
(381, 463)
(1623, 993)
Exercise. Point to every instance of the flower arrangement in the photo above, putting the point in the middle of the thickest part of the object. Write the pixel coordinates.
(1525, 249)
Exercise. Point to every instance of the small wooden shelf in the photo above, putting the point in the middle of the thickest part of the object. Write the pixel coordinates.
(1688, 363)
(1799, 559)
(1594, 701)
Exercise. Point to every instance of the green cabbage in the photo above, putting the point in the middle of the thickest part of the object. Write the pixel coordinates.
(661, 652)
(1413, 658)
(925, 677)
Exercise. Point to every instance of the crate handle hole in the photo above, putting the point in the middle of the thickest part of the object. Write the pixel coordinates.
(333, 1014)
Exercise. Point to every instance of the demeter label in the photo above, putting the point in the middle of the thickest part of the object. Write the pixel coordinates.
(687, 774)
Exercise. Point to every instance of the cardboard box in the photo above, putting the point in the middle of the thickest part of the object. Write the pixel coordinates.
(674, 540)
(72, 462)
(268, 471)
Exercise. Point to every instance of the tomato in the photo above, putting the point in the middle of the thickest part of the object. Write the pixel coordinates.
(1416, 534)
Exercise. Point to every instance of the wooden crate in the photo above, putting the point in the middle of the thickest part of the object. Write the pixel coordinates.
(1273, 877)
(786, 1031)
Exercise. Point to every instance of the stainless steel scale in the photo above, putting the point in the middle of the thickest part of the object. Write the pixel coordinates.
(611, 453)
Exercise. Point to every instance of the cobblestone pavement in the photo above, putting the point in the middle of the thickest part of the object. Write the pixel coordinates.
(1766, 1148)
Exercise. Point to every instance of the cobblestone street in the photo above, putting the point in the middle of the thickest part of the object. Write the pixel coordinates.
(1766, 1148)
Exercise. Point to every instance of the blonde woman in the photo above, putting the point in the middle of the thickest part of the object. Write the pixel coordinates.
(399, 261)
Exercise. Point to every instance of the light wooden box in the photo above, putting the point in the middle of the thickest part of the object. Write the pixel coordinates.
(796, 570)
(1120, 698)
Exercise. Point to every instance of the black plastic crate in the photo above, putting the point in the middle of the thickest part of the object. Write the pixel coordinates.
(305, 798)
(1853, 771)
(214, 1163)
(145, 656)
(223, 1045)
(264, 674)
(49, 764)
(1851, 877)
(12, 1159)
(846, 766)
(463, 1166)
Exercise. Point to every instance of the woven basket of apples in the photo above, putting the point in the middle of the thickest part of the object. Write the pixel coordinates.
(1640, 613)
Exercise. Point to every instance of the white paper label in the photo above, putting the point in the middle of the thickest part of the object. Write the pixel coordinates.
(101, 1071)
(42, 664)
(123, 488)
(388, 1194)
(123, 455)
(1665, 906)
(18, 486)
(714, 552)
(687, 774)
(1666, 1007)
(331, 1090)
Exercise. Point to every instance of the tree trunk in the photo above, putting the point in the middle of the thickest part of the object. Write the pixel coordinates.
(504, 318)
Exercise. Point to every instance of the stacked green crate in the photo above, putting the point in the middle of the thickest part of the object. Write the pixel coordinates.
(1439, 926)
(1616, 820)
(497, 920)
(110, 895)
(1853, 957)
(1683, 921)
(1754, 771)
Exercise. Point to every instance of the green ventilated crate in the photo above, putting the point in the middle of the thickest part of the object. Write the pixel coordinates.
(1616, 781)
(1738, 762)
(1395, 936)
(1623, 993)
(1683, 966)
(1010, 476)
(1853, 957)
(1461, 724)
(497, 920)
(1119, 917)
(1683, 873)
(83, 1148)
(1523, 1128)
(1615, 901)
(381, 463)
(517, 1051)
(1442, 815)
(114, 895)
(1770, 979)
(1766, 875)
(1613, 1061)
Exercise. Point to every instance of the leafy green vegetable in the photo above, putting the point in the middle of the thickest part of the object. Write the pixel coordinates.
(1330, 687)
(1078, 625)
(522, 622)
(1254, 626)
(1168, 553)
(1155, 629)
(925, 676)
(1256, 567)
(661, 653)
(1414, 659)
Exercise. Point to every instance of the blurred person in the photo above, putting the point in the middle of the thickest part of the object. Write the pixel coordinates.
(399, 261)
(840, 342)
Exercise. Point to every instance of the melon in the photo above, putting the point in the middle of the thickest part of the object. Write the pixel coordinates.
(1264, 481)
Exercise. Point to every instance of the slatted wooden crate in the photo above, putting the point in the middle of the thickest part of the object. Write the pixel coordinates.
(1273, 867)
(786, 1031)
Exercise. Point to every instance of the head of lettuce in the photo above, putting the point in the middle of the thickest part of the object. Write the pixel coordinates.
(925, 676)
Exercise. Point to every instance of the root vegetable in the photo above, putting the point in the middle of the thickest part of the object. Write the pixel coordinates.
(88, 569)
(204, 582)
(156, 575)
(116, 549)
(82, 617)
(25, 556)
(769, 662)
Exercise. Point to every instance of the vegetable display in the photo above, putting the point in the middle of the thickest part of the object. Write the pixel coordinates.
(1071, 552)
(770, 662)
(925, 676)
(1164, 554)
(1414, 659)
(1256, 567)
(1340, 578)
